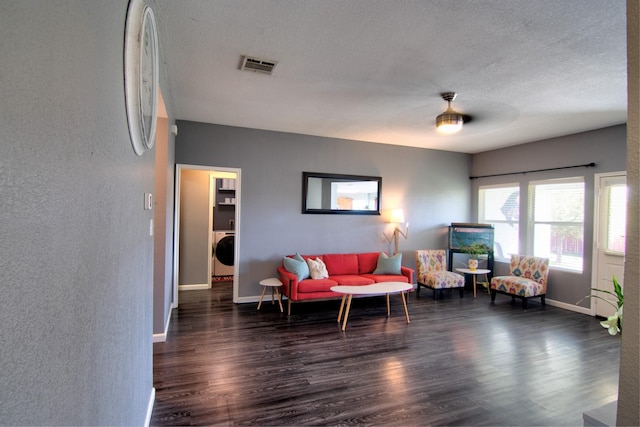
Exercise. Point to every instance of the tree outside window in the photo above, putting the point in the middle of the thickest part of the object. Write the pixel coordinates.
(500, 207)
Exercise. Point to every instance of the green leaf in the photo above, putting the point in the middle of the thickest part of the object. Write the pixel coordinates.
(618, 289)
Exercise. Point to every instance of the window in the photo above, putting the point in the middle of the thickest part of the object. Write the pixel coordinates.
(500, 206)
(557, 222)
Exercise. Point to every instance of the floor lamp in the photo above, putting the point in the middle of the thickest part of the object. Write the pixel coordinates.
(397, 218)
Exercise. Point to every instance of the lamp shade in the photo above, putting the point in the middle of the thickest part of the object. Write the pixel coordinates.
(397, 216)
(449, 122)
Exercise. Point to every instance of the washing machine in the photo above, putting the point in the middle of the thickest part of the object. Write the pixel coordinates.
(223, 253)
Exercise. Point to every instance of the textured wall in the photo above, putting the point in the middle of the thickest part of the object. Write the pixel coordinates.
(432, 187)
(605, 147)
(629, 394)
(75, 251)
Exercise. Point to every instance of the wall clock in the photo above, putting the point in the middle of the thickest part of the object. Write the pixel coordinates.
(141, 75)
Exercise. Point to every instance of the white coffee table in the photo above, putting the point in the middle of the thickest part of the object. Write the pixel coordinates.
(476, 272)
(376, 289)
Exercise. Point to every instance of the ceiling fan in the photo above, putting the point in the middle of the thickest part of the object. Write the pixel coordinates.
(451, 121)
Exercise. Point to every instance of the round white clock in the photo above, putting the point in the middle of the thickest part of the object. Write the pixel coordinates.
(141, 75)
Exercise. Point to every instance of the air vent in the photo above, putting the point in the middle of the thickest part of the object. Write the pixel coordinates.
(258, 65)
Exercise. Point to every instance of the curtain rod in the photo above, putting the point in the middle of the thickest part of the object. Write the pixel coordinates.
(588, 165)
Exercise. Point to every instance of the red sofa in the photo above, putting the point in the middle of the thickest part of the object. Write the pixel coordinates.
(344, 269)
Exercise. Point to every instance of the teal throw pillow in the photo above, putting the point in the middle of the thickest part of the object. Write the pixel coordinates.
(297, 265)
(388, 265)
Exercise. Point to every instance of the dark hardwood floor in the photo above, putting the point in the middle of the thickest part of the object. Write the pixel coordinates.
(460, 362)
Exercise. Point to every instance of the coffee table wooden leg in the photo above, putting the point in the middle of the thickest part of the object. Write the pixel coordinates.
(279, 299)
(344, 297)
(346, 313)
(404, 303)
(388, 307)
(264, 289)
(474, 285)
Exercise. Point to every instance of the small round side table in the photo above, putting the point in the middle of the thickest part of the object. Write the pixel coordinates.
(477, 272)
(273, 283)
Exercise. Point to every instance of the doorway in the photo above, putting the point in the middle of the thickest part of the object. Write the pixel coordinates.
(194, 225)
(610, 221)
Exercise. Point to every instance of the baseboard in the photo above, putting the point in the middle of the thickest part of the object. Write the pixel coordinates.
(163, 336)
(194, 287)
(245, 300)
(570, 307)
(152, 401)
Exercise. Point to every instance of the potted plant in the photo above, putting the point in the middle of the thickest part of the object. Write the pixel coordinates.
(474, 251)
(613, 324)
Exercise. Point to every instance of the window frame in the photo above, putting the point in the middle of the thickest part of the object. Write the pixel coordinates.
(481, 214)
(531, 222)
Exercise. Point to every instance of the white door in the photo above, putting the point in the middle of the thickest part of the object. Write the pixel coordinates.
(609, 248)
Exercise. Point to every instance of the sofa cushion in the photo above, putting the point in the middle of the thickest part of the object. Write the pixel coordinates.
(317, 269)
(341, 264)
(388, 265)
(352, 280)
(520, 286)
(379, 278)
(367, 262)
(318, 285)
(441, 280)
(296, 265)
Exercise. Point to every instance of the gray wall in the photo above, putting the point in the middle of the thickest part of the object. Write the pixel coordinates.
(605, 147)
(629, 388)
(75, 253)
(431, 186)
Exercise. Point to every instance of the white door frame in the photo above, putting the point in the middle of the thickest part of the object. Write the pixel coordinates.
(176, 224)
(598, 222)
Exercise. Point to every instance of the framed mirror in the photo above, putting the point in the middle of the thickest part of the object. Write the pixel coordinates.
(325, 193)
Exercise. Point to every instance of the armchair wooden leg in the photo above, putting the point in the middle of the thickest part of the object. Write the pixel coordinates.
(493, 295)
(542, 300)
(524, 303)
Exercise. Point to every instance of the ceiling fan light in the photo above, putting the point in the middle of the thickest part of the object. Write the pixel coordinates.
(449, 122)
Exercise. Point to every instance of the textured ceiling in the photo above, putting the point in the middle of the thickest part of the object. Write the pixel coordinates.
(372, 70)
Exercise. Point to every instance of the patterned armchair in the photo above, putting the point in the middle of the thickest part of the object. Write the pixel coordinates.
(528, 279)
(432, 272)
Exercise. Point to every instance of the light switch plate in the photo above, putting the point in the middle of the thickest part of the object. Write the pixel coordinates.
(148, 201)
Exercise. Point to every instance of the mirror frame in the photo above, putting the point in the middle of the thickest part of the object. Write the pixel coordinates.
(339, 177)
